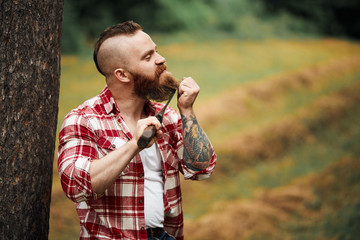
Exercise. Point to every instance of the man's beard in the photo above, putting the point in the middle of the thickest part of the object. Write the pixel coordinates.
(159, 88)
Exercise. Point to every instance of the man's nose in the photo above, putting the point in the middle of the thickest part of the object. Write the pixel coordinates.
(159, 59)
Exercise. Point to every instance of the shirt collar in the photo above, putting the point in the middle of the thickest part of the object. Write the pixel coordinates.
(108, 100)
(150, 108)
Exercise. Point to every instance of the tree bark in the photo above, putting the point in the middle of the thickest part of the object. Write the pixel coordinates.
(30, 37)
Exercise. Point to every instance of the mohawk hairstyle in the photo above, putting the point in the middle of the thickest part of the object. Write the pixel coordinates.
(125, 28)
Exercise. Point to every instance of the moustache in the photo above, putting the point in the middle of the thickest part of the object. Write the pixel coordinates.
(160, 69)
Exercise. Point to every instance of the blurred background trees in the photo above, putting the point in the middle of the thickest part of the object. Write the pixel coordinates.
(84, 20)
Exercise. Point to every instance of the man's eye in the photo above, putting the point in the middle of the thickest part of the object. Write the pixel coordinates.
(148, 57)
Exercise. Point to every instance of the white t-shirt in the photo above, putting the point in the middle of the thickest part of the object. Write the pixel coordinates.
(154, 187)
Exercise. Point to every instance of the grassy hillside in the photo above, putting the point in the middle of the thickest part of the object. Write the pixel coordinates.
(283, 117)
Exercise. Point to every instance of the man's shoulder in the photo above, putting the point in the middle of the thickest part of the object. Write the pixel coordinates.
(92, 107)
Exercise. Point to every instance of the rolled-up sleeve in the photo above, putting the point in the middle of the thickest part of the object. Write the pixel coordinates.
(77, 148)
(200, 175)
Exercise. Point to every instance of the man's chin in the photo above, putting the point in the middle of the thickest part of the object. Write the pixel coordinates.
(158, 89)
(161, 95)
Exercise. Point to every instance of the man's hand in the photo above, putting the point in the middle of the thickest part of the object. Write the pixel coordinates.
(142, 124)
(188, 91)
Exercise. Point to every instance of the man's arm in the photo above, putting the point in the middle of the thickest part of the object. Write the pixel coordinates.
(106, 170)
(197, 147)
(198, 150)
(82, 173)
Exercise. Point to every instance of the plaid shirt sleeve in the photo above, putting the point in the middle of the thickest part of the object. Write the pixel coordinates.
(76, 149)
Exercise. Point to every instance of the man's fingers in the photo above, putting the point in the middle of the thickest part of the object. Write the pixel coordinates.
(188, 91)
(189, 82)
(143, 123)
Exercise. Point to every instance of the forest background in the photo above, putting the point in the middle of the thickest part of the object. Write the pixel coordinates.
(279, 99)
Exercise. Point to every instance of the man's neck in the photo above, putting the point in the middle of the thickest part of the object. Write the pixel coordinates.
(130, 105)
(131, 108)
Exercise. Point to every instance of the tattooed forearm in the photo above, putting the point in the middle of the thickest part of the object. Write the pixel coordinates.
(197, 147)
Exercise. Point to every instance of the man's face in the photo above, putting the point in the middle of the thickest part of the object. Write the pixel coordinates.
(151, 80)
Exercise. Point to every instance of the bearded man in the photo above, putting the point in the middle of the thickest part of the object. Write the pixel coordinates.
(120, 190)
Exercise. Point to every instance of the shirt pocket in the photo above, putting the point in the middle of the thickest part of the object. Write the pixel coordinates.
(109, 144)
(105, 145)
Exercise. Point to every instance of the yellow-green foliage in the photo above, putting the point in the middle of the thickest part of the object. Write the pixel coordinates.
(282, 115)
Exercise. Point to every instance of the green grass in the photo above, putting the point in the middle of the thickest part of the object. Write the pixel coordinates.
(221, 65)
(327, 145)
(284, 104)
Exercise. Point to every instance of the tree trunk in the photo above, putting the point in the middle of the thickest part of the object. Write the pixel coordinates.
(30, 36)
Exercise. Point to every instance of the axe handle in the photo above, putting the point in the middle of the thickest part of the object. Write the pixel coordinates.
(150, 131)
(146, 137)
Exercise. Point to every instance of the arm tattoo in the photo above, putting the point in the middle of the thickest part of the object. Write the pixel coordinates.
(197, 147)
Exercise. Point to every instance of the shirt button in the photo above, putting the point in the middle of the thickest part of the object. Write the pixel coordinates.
(142, 228)
(140, 201)
(113, 146)
(141, 175)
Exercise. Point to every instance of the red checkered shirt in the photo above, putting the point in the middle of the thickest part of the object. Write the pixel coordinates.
(93, 130)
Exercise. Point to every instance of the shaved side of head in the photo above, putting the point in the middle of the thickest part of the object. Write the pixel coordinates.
(112, 54)
(104, 55)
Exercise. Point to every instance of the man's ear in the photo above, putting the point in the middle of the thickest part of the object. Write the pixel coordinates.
(122, 75)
